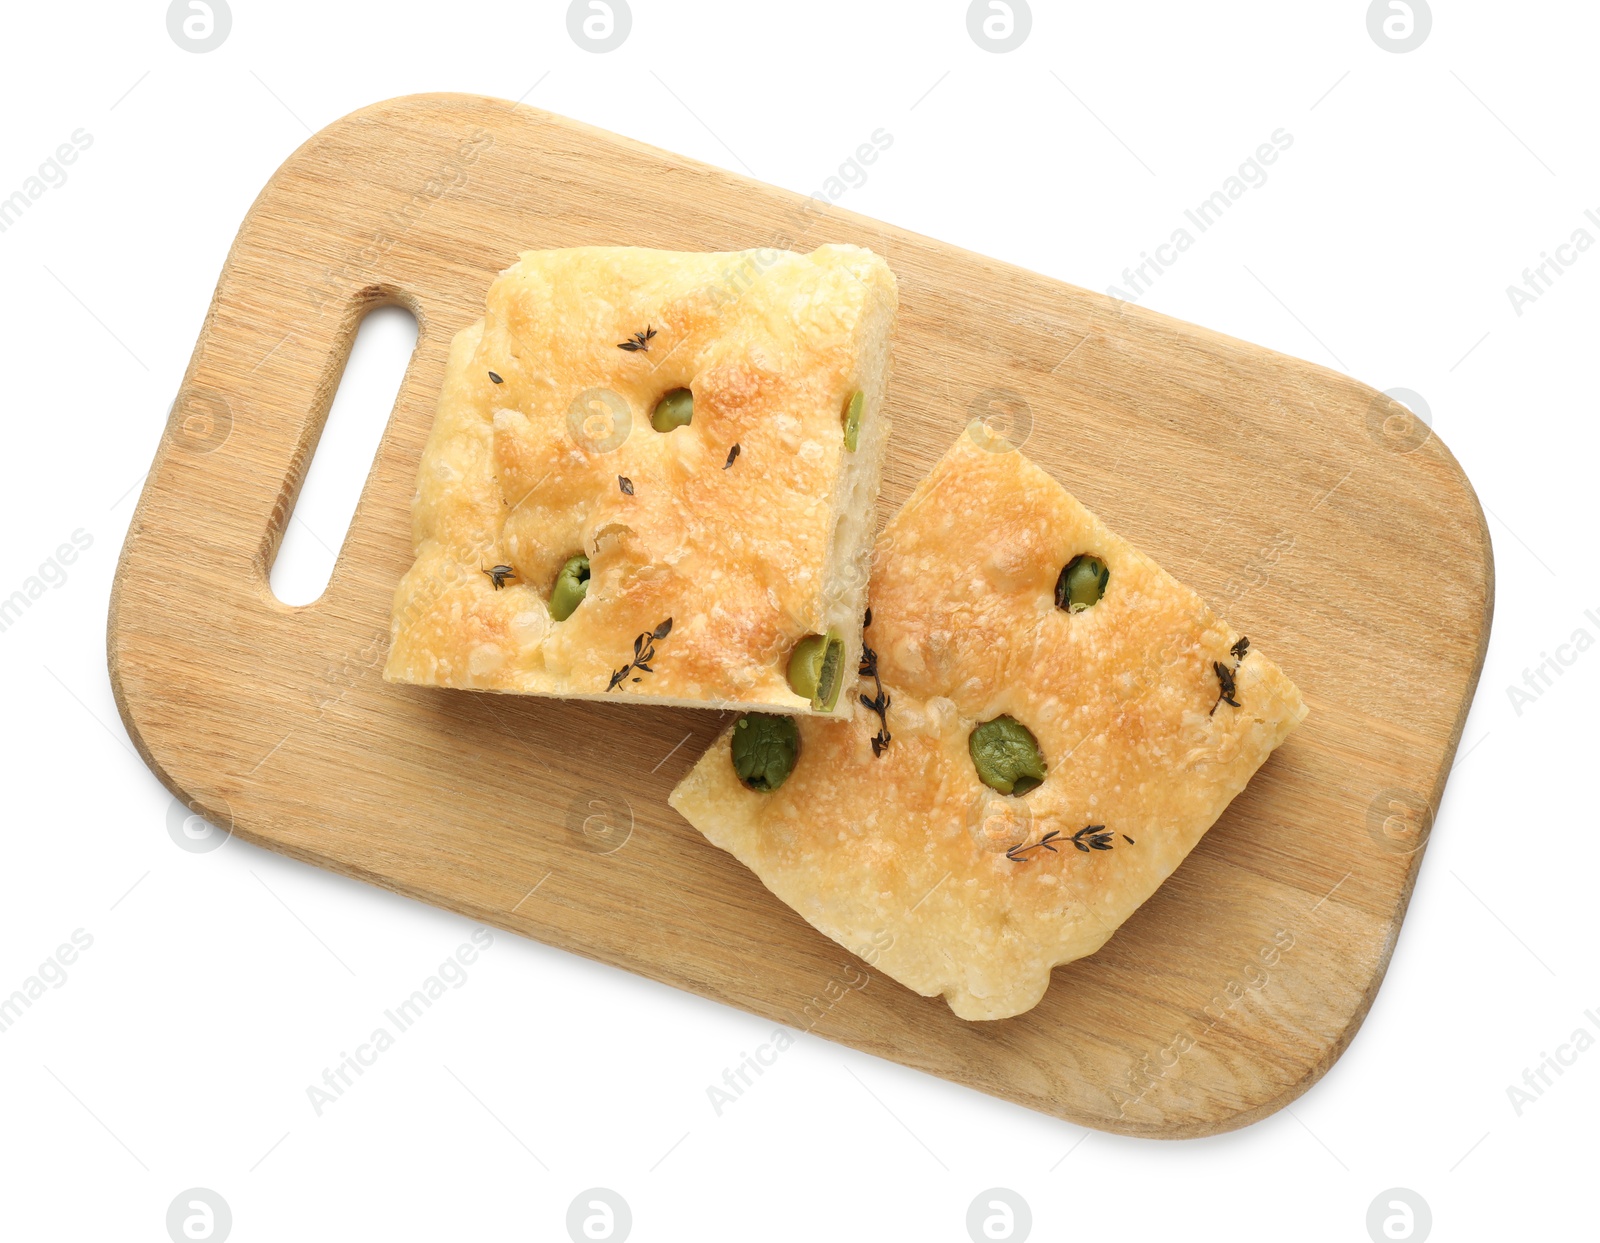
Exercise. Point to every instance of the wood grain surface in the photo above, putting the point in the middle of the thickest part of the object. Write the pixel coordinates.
(1313, 513)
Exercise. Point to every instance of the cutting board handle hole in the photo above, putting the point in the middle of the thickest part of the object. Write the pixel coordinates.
(343, 454)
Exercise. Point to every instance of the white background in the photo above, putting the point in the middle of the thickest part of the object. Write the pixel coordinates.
(219, 985)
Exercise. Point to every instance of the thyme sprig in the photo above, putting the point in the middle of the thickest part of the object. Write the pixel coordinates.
(1090, 837)
(1019, 853)
(880, 702)
(644, 651)
(1226, 684)
(638, 341)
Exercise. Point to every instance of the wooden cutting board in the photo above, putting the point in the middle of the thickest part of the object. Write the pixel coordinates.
(1318, 516)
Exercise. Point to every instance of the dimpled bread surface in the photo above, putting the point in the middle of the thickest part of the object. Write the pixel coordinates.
(903, 858)
(554, 455)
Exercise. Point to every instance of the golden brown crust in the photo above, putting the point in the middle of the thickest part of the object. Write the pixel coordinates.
(746, 558)
(903, 858)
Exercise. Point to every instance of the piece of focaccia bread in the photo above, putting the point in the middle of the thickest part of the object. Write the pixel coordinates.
(653, 476)
(1143, 714)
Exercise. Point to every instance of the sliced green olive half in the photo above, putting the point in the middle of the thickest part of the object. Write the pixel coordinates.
(572, 584)
(852, 419)
(815, 668)
(1006, 756)
(765, 748)
(1083, 581)
(674, 410)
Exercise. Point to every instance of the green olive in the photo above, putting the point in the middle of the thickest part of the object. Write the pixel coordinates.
(1083, 581)
(572, 584)
(1006, 756)
(852, 419)
(765, 748)
(814, 669)
(674, 410)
